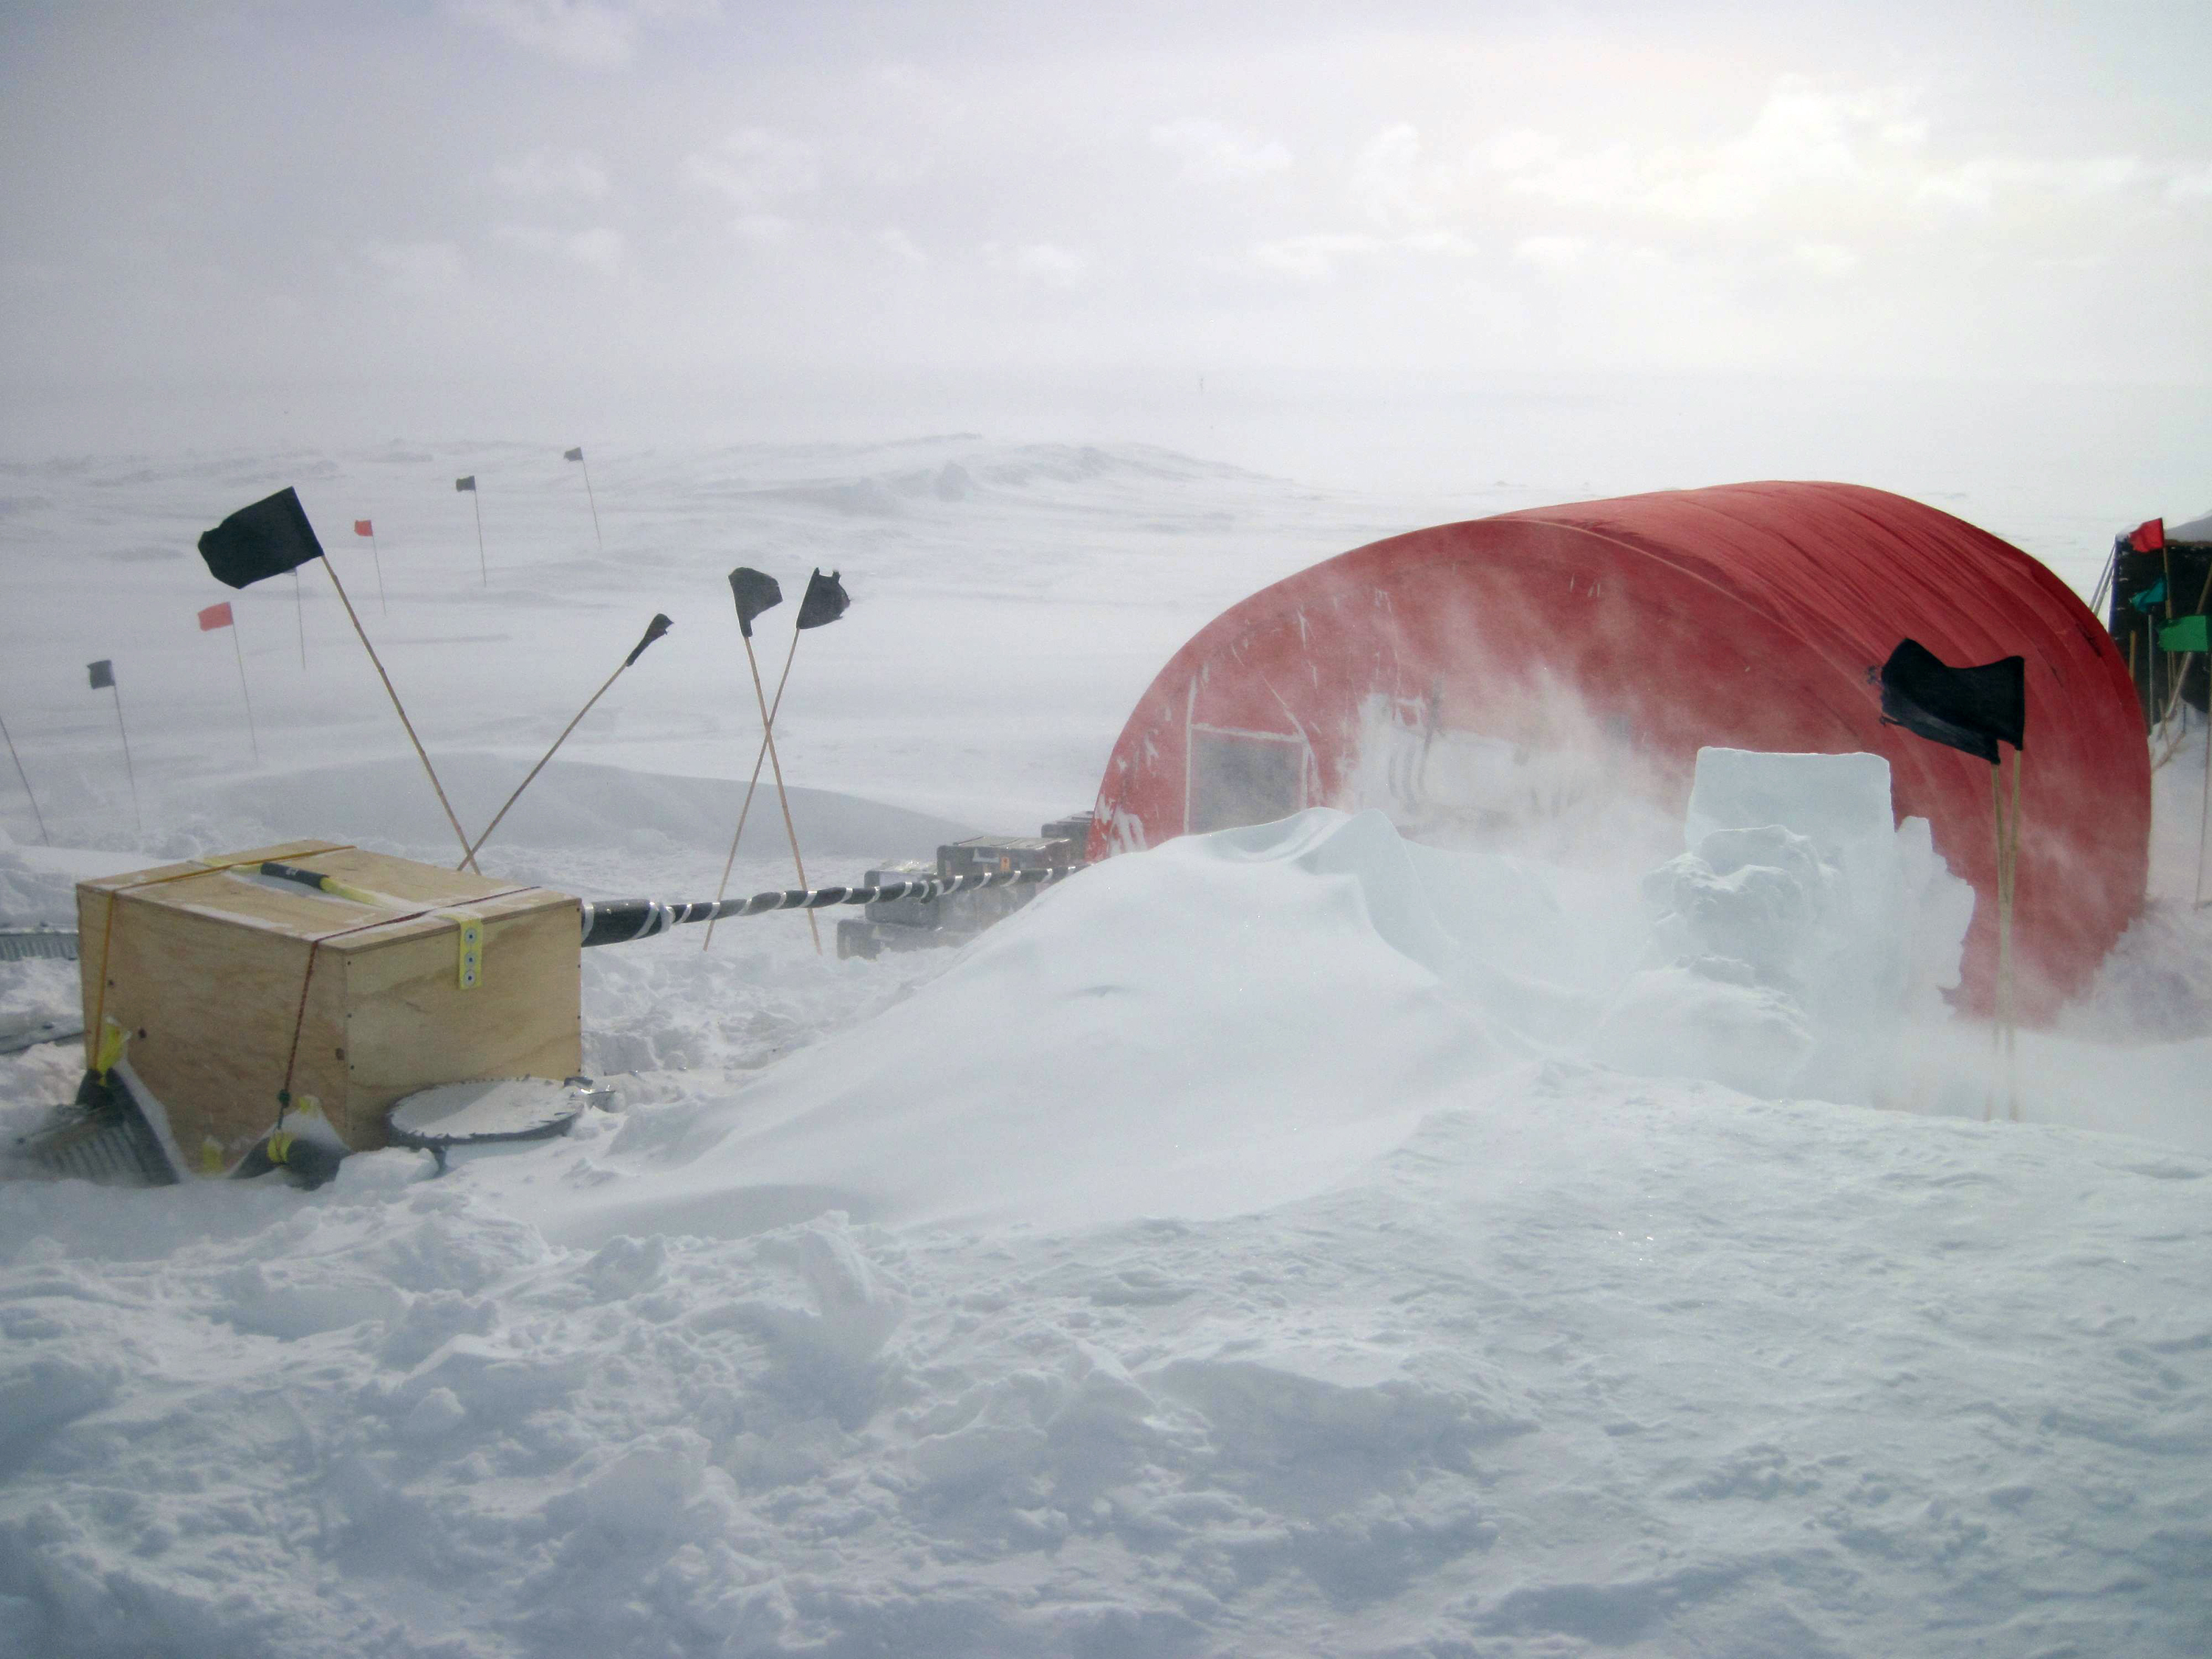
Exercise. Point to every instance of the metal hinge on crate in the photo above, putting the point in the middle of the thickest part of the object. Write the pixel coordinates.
(472, 958)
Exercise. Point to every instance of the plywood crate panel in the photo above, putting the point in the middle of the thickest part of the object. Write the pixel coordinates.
(207, 966)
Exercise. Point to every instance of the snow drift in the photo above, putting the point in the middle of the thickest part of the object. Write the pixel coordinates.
(1207, 1262)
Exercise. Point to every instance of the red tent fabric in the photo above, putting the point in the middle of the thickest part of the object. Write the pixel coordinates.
(1746, 616)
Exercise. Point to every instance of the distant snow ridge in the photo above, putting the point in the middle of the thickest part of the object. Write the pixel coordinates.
(881, 485)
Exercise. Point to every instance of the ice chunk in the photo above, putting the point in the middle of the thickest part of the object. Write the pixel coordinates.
(1834, 801)
(1804, 927)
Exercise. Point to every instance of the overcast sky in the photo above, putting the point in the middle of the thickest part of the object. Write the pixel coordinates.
(522, 217)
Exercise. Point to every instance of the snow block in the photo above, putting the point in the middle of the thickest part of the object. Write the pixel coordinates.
(1800, 929)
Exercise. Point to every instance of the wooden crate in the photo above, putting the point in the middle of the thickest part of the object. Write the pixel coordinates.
(207, 966)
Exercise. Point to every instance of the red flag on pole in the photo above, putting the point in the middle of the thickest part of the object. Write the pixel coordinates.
(363, 527)
(215, 617)
(2149, 536)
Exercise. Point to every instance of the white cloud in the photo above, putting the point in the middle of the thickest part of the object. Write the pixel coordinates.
(1388, 182)
(2191, 184)
(1830, 260)
(589, 33)
(757, 168)
(1313, 257)
(763, 230)
(1559, 254)
(1040, 262)
(1805, 135)
(545, 174)
(1061, 265)
(1975, 186)
(1316, 256)
(901, 247)
(1447, 242)
(1215, 154)
(601, 248)
(419, 267)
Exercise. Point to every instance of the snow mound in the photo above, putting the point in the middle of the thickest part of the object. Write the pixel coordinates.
(1221, 1025)
(1232, 1021)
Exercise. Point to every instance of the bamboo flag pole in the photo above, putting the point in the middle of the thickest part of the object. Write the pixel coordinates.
(1976, 711)
(129, 771)
(299, 610)
(2105, 580)
(222, 616)
(102, 675)
(759, 759)
(2204, 813)
(469, 484)
(577, 456)
(25, 777)
(368, 527)
(2004, 941)
(273, 536)
(775, 765)
(755, 592)
(244, 696)
(653, 630)
(2203, 816)
(468, 853)
(2013, 823)
(2005, 1028)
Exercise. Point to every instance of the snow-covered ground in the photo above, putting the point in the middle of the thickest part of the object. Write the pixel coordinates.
(1243, 1251)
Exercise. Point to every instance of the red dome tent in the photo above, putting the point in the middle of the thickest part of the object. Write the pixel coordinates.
(1632, 632)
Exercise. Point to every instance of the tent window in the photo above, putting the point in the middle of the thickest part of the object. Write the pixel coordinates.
(1238, 778)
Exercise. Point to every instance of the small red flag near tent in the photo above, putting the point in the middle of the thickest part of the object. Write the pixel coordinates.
(363, 527)
(2149, 536)
(215, 617)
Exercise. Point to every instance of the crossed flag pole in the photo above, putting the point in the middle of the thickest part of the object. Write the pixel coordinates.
(755, 590)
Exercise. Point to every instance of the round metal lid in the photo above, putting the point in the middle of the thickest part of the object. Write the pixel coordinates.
(492, 1108)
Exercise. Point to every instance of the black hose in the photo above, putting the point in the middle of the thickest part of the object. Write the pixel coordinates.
(616, 921)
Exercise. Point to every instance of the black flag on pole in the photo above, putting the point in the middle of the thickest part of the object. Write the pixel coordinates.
(825, 600)
(101, 673)
(754, 590)
(468, 483)
(266, 539)
(576, 454)
(1969, 709)
(653, 630)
